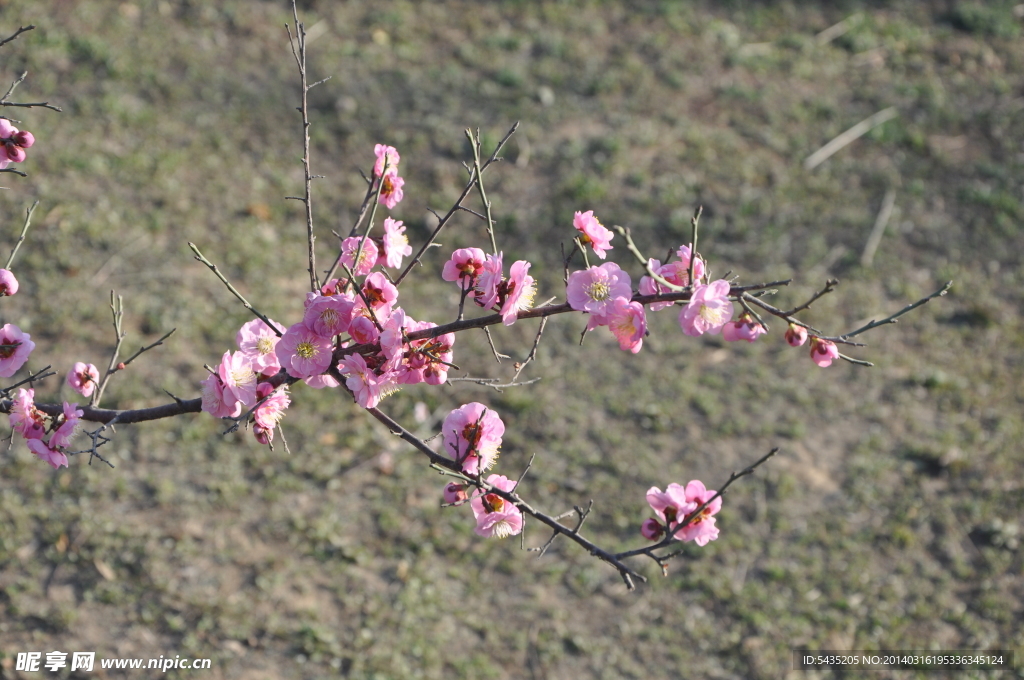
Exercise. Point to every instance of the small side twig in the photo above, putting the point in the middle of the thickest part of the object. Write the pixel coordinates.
(234, 291)
(893, 317)
(21, 239)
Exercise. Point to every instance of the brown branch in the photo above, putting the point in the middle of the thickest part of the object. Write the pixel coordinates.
(23, 29)
(21, 239)
(893, 317)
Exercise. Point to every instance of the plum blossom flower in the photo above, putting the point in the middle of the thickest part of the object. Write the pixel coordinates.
(464, 267)
(391, 193)
(238, 378)
(592, 290)
(56, 459)
(25, 418)
(380, 293)
(216, 402)
(592, 232)
(388, 153)
(83, 378)
(303, 353)
(495, 516)
(394, 245)
(367, 387)
(677, 505)
(627, 322)
(367, 256)
(258, 344)
(363, 330)
(15, 347)
(72, 415)
(743, 328)
(796, 335)
(517, 292)
(676, 273)
(708, 310)
(269, 413)
(8, 283)
(488, 280)
(823, 352)
(329, 315)
(472, 436)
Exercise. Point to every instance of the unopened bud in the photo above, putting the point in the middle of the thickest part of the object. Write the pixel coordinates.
(796, 335)
(651, 529)
(455, 493)
(120, 366)
(14, 152)
(24, 139)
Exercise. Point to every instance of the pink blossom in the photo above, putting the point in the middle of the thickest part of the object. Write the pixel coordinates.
(627, 322)
(592, 290)
(51, 455)
(517, 292)
(216, 402)
(743, 328)
(384, 152)
(262, 434)
(269, 413)
(472, 436)
(708, 310)
(464, 267)
(488, 280)
(303, 353)
(495, 516)
(8, 284)
(83, 378)
(427, 360)
(391, 193)
(701, 527)
(329, 315)
(677, 505)
(651, 529)
(395, 244)
(592, 232)
(393, 335)
(823, 352)
(319, 382)
(61, 437)
(258, 343)
(237, 377)
(367, 256)
(676, 273)
(366, 385)
(333, 287)
(796, 335)
(25, 418)
(362, 329)
(380, 293)
(455, 493)
(15, 347)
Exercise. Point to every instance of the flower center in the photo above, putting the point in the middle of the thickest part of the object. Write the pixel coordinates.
(712, 315)
(8, 348)
(598, 291)
(388, 185)
(306, 350)
(373, 294)
(243, 375)
(329, 318)
(264, 345)
(503, 529)
(493, 503)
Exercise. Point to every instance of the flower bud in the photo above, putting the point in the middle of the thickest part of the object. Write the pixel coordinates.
(120, 366)
(455, 493)
(823, 352)
(796, 335)
(8, 284)
(24, 139)
(651, 529)
(14, 152)
(263, 435)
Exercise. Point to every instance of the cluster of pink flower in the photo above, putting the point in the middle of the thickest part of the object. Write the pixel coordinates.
(13, 143)
(391, 184)
(678, 505)
(35, 426)
(482, 277)
(471, 437)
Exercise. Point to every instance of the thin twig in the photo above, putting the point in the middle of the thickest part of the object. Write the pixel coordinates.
(533, 350)
(21, 239)
(830, 285)
(892, 318)
(23, 29)
(117, 310)
(465, 192)
(478, 171)
(245, 303)
(38, 375)
(645, 263)
(693, 244)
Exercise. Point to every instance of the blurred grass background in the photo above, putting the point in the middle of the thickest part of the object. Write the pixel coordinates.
(891, 518)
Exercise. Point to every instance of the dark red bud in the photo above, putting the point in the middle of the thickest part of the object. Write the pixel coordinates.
(24, 139)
